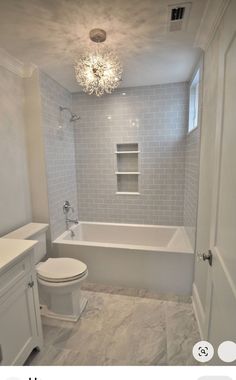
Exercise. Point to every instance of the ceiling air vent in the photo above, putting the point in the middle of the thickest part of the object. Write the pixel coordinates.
(178, 16)
(177, 13)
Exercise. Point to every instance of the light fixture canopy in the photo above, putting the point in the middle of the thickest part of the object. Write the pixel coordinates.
(98, 71)
(98, 35)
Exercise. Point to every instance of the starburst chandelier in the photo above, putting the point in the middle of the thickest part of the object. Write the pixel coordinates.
(98, 71)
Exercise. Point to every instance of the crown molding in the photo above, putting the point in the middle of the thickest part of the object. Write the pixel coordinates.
(14, 65)
(211, 19)
(28, 70)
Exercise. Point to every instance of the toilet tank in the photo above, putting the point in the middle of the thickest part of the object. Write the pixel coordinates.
(32, 231)
(40, 249)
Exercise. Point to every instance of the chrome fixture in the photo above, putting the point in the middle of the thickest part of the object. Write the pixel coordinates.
(99, 70)
(66, 209)
(205, 257)
(75, 221)
(73, 116)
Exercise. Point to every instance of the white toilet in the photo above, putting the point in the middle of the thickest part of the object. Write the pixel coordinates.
(59, 287)
(59, 279)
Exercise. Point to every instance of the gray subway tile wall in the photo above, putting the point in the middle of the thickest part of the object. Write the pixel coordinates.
(81, 159)
(155, 117)
(192, 152)
(59, 152)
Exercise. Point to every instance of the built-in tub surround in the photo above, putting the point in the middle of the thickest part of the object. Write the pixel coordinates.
(155, 118)
(192, 151)
(157, 258)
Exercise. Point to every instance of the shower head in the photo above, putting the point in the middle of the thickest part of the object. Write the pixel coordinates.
(73, 116)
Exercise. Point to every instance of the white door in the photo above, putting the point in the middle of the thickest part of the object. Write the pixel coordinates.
(220, 322)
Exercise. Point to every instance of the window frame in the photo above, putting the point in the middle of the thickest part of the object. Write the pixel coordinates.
(194, 100)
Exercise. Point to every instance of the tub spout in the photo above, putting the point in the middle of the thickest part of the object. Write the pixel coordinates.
(75, 221)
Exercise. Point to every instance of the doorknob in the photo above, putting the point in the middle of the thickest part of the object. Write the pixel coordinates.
(205, 257)
(31, 284)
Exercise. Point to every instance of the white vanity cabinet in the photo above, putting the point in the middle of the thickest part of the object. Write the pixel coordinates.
(20, 322)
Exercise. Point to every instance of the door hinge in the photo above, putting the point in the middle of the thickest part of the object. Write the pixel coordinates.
(1, 356)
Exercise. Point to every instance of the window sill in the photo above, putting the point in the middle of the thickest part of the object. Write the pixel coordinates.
(192, 130)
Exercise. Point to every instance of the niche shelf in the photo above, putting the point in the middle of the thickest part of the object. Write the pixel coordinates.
(127, 164)
(128, 152)
(127, 148)
(129, 173)
(127, 193)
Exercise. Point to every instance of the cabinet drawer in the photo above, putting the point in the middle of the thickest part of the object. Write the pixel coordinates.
(15, 273)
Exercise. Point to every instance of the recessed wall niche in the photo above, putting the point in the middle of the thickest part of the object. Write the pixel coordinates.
(127, 169)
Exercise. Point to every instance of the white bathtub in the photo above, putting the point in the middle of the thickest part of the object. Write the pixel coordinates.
(158, 258)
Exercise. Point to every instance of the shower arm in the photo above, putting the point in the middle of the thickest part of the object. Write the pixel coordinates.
(74, 117)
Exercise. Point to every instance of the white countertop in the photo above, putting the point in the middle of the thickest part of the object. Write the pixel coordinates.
(27, 231)
(12, 249)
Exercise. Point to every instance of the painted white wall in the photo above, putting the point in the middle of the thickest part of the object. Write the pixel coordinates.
(15, 207)
(35, 149)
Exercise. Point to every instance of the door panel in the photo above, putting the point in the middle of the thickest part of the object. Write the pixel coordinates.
(209, 111)
(219, 316)
(221, 289)
(222, 310)
(223, 306)
(226, 228)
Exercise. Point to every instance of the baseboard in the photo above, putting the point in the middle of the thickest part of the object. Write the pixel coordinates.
(198, 311)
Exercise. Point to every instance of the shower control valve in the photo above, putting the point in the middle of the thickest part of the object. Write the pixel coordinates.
(67, 207)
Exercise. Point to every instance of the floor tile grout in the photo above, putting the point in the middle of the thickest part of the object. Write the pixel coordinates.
(117, 329)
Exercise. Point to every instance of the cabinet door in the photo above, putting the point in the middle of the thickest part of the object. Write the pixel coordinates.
(18, 329)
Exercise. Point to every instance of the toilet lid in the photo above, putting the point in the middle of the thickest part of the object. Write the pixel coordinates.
(61, 269)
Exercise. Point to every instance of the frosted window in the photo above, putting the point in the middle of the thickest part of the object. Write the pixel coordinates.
(194, 103)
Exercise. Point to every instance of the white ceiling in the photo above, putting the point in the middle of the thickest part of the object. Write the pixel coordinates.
(52, 33)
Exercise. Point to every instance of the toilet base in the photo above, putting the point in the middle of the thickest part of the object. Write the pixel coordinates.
(63, 301)
(45, 312)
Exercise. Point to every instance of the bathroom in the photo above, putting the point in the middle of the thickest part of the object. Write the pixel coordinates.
(117, 200)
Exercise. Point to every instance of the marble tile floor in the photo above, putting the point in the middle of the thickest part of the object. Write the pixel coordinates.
(118, 329)
(136, 292)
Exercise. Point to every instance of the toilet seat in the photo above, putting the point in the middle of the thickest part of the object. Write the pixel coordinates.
(63, 269)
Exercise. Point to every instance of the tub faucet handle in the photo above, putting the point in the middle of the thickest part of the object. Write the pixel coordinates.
(67, 207)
